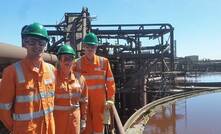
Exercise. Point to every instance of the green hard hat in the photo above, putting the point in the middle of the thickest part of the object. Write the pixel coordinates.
(66, 49)
(35, 29)
(90, 39)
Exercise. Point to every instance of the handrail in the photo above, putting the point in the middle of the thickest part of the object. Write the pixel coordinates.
(118, 121)
(141, 112)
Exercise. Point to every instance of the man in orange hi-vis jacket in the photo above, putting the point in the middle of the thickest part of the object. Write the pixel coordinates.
(71, 95)
(27, 88)
(100, 83)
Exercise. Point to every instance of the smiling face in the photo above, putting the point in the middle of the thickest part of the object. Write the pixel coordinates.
(66, 62)
(35, 46)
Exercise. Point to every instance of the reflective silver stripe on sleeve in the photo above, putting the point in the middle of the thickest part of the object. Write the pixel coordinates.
(95, 87)
(49, 81)
(67, 96)
(65, 108)
(33, 115)
(48, 94)
(5, 106)
(19, 72)
(94, 77)
(37, 97)
(110, 79)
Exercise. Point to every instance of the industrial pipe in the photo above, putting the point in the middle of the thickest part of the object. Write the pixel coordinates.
(8, 51)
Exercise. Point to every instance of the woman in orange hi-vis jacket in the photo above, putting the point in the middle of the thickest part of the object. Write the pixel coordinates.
(71, 95)
(27, 88)
(100, 83)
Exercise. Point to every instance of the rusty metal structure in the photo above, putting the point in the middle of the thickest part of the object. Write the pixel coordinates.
(139, 53)
(134, 60)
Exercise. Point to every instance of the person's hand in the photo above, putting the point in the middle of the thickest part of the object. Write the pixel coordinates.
(109, 104)
(82, 125)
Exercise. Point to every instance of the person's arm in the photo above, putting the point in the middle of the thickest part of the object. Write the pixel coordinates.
(83, 102)
(7, 95)
(110, 84)
(83, 99)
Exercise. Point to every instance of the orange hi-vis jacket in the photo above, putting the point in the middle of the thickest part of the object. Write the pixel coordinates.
(27, 98)
(101, 87)
(71, 98)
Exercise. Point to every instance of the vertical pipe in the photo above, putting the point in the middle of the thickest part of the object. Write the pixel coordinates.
(161, 55)
(145, 90)
(123, 94)
(142, 89)
(84, 27)
(172, 51)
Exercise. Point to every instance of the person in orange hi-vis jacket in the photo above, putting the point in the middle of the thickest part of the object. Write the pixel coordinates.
(100, 83)
(28, 87)
(71, 95)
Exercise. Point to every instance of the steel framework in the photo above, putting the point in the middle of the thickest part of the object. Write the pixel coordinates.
(138, 53)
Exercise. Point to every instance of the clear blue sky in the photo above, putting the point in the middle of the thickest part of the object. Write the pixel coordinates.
(196, 22)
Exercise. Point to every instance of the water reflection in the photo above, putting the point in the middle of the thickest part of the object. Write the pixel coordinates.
(204, 77)
(164, 121)
(197, 115)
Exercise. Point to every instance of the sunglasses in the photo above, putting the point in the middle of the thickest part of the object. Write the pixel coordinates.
(31, 41)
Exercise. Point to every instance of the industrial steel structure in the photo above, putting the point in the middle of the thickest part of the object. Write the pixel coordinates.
(139, 53)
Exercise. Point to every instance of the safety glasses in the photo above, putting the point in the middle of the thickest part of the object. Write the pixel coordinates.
(67, 57)
(31, 41)
(90, 47)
